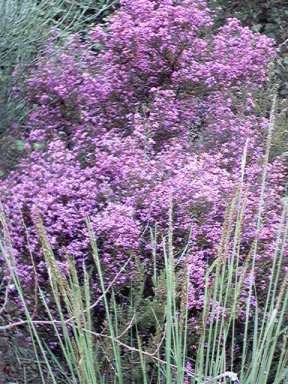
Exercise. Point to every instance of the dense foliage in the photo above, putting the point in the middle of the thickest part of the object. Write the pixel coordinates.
(156, 107)
(265, 16)
(269, 17)
(24, 28)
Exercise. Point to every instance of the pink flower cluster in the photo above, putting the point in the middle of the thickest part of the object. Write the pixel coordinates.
(155, 106)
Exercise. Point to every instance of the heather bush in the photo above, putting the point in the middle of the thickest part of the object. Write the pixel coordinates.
(269, 18)
(155, 107)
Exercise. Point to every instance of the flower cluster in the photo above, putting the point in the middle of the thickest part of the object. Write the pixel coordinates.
(156, 107)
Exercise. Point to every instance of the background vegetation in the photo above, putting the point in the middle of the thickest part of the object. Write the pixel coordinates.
(145, 332)
(25, 26)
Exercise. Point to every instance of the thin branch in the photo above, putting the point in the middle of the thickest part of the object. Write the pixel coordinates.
(5, 300)
(105, 292)
(129, 326)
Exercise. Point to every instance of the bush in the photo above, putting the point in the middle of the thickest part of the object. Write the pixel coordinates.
(155, 107)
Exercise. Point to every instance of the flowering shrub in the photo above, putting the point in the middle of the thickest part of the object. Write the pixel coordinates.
(156, 106)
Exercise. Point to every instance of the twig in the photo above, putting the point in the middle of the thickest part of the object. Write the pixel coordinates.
(233, 376)
(5, 300)
(133, 349)
(128, 327)
(105, 292)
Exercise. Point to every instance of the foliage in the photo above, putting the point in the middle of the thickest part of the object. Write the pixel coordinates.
(160, 108)
(269, 17)
(25, 26)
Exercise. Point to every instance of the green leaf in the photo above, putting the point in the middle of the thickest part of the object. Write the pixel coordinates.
(257, 27)
(20, 145)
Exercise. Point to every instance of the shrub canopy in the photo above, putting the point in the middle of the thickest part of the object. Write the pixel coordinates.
(155, 107)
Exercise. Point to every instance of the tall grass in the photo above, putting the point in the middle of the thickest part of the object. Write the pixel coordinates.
(87, 356)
